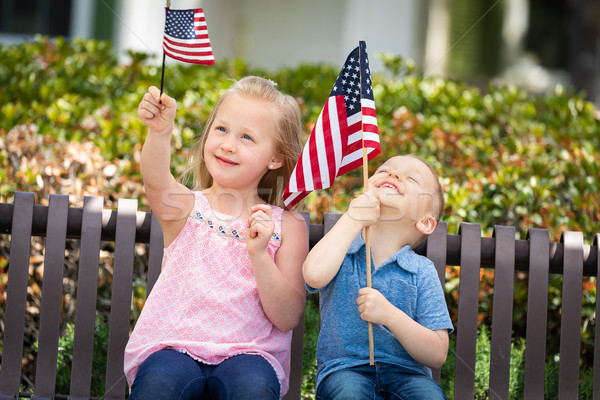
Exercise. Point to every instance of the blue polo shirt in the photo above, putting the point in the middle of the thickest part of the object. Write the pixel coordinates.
(407, 280)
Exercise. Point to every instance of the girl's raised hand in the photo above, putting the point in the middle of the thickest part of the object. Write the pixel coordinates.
(260, 228)
(157, 116)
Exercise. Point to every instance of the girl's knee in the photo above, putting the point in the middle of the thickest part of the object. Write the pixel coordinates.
(246, 377)
(167, 374)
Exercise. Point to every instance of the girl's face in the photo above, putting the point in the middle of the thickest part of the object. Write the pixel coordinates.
(240, 146)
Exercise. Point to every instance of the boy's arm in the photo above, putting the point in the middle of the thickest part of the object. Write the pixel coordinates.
(428, 347)
(325, 258)
(169, 200)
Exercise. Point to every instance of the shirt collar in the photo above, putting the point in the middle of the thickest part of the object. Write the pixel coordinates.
(404, 257)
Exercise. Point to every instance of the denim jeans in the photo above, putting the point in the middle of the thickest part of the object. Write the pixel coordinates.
(172, 375)
(378, 382)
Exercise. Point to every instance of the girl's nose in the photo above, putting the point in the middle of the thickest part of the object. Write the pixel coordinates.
(228, 144)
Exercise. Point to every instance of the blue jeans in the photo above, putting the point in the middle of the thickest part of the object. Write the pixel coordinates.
(170, 374)
(378, 382)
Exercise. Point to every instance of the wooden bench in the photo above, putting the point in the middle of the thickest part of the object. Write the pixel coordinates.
(93, 225)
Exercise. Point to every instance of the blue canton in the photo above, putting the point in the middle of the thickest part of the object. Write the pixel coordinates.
(348, 83)
(180, 24)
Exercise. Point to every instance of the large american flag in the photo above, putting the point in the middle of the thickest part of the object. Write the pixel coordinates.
(347, 121)
(186, 37)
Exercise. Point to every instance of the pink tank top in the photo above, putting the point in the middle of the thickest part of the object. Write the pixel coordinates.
(205, 302)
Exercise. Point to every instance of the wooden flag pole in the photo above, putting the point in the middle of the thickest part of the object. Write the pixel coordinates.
(367, 228)
(368, 249)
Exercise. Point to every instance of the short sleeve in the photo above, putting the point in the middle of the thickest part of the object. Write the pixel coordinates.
(432, 310)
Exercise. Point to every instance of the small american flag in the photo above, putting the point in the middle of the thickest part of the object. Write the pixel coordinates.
(186, 37)
(335, 145)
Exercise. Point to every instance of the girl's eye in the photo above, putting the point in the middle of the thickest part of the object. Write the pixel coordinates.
(247, 137)
(410, 178)
(221, 128)
(381, 171)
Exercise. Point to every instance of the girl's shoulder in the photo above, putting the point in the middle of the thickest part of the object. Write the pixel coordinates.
(293, 223)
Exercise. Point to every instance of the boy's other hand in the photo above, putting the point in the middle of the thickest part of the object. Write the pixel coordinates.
(157, 111)
(364, 209)
(373, 306)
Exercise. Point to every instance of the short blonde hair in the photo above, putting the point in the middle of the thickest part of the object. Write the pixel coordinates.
(288, 140)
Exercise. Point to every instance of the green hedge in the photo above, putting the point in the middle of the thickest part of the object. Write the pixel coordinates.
(507, 157)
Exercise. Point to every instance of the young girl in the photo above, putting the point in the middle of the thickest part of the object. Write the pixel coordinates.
(218, 321)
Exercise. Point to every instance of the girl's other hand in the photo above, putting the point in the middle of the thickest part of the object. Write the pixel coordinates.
(157, 111)
(260, 229)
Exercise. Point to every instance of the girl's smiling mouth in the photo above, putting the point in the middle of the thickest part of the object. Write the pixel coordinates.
(225, 161)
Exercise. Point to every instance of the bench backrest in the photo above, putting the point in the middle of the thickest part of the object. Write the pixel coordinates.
(126, 226)
(91, 225)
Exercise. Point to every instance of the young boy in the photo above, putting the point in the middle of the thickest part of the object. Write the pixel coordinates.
(406, 303)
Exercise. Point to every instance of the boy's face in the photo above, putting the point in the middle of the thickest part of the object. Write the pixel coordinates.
(406, 186)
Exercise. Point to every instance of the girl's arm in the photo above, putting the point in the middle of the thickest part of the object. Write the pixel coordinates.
(428, 347)
(279, 282)
(170, 201)
(325, 258)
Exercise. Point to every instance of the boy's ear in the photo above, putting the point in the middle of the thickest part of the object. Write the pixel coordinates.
(426, 225)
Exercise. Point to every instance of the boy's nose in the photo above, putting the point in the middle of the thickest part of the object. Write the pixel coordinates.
(394, 174)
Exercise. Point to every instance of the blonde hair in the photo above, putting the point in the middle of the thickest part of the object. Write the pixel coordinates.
(288, 140)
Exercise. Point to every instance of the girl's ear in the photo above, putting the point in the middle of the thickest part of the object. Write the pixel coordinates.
(276, 162)
(426, 225)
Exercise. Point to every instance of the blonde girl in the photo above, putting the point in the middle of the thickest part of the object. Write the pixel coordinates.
(218, 321)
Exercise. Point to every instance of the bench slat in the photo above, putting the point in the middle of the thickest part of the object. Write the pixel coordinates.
(502, 312)
(596, 384)
(570, 321)
(537, 309)
(54, 262)
(16, 294)
(329, 220)
(155, 254)
(468, 302)
(121, 298)
(87, 287)
(295, 389)
(436, 252)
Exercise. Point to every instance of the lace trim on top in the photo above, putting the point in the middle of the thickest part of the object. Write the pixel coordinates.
(225, 230)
